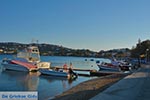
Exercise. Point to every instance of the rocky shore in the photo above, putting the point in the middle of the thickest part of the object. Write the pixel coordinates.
(90, 88)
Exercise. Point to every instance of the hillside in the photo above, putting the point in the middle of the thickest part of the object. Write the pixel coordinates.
(56, 50)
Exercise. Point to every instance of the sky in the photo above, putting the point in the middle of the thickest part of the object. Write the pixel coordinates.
(78, 24)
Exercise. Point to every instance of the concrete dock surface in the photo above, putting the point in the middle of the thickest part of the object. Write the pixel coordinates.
(133, 87)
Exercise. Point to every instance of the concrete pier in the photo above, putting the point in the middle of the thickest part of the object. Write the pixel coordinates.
(133, 87)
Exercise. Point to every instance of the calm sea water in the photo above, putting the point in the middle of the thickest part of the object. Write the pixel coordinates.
(47, 86)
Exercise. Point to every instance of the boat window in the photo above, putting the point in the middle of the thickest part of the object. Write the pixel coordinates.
(35, 57)
(34, 50)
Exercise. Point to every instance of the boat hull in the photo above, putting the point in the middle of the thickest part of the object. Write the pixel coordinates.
(101, 67)
(15, 67)
(53, 73)
(18, 65)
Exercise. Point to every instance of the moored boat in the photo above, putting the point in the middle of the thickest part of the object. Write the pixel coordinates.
(26, 60)
(59, 73)
(18, 65)
(106, 66)
(114, 66)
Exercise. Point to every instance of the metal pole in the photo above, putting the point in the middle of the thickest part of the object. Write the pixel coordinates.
(147, 55)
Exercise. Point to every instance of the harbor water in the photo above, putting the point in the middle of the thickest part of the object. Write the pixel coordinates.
(46, 86)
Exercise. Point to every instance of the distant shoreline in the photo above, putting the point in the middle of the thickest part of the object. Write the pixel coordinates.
(57, 50)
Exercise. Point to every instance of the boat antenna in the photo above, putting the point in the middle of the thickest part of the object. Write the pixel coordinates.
(35, 41)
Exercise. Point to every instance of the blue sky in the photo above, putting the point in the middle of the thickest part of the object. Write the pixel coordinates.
(79, 24)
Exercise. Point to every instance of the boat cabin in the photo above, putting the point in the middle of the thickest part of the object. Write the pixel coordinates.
(31, 54)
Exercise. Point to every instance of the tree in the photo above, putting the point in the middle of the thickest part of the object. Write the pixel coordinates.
(140, 49)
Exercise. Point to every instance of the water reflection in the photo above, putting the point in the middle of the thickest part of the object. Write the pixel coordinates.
(52, 78)
(64, 81)
(0, 69)
(19, 81)
(32, 81)
(47, 86)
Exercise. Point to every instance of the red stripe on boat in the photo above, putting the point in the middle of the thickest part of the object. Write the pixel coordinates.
(25, 64)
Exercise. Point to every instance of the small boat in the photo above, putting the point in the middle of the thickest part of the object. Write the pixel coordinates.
(26, 60)
(91, 59)
(18, 65)
(114, 66)
(59, 73)
(108, 66)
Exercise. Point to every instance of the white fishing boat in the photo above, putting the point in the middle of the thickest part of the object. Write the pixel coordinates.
(18, 65)
(108, 66)
(59, 73)
(26, 60)
(114, 66)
